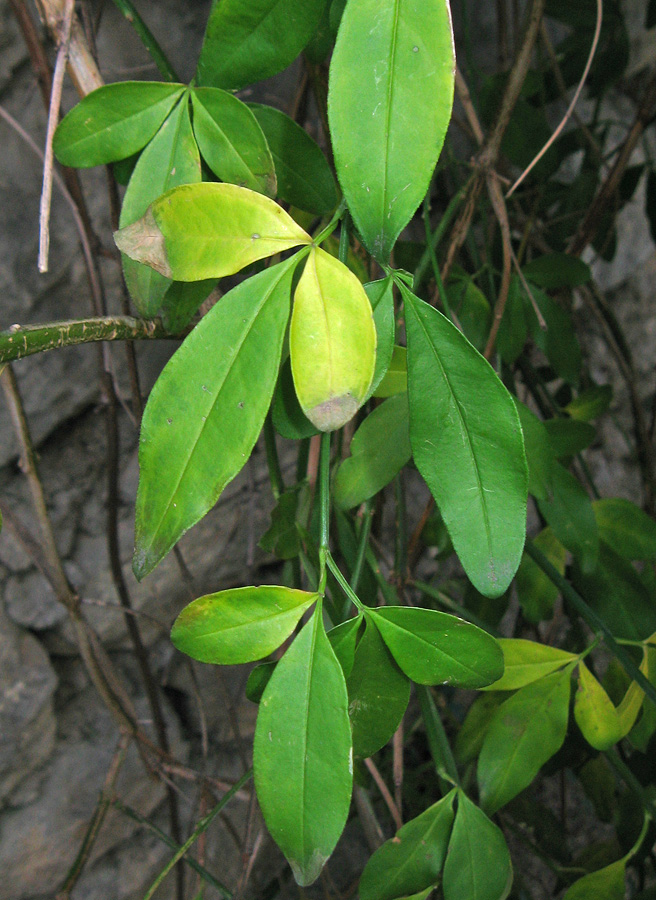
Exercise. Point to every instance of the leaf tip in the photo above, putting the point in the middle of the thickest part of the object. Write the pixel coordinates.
(143, 241)
(333, 413)
(307, 872)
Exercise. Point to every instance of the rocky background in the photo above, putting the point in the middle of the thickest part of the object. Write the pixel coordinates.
(57, 740)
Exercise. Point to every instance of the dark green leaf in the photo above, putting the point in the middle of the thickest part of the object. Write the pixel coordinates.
(467, 443)
(436, 648)
(539, 452)
(650, 20)
(379, 450)
(114, 122)
(304, 177)
(239, 625)
(571, 517)
(302, 752)
(536, 592)
(169, 160)
(206, 410)
(231, 141)
(626, 528)
(378, 694)
(557, 270)
(559, 342)
(618, 595)
(472, 308)
(381, 297)
(478, 864)
(525, 732)
(181, 302)
(289, 420)
(283, 538)
(469, 739)
(569, 436)
(248, 40)
(413, 859)
(392, 67)
(513, 330)
(258, 680)
(343, 639)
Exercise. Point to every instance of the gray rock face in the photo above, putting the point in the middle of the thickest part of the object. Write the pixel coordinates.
(27, 718)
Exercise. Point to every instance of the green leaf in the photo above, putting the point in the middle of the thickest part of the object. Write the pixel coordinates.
(209, 230)
(569, 513)
(114, 122)
(379, 450)
(332, 342)
(604, 884)
(258, 679)
(626, 528)
(283, 538)
(478, 864)
(413, 859)
(436, 648)
(536, 592)
(302, 752)
(231, 141)
(181, 302)
(467, 444)
(305, 179)
(595, 713)
(381, 297)
(557, 270)
(590, 404)
(513, 330)
(343, 639)
(393, 67)
(526, 662)
(169, 160)
(558, 342)
(289, 420)
(525, 732)
(569, 436)
(378, 694)
(248, 40)
(539, 451)
(395, 380)
(206, 411)
(239, 625)
(469, 739)
(472, 308)
(617, 594)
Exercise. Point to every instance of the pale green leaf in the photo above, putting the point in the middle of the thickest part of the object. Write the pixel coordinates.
(395, 380)
(332, 342)
(207, 409)
(608, 883)
(381, 297)
(467, 444)
(302, 753)
(626, 528)
(526, 662)
(392, 70)
(595, 713)
(209, 230)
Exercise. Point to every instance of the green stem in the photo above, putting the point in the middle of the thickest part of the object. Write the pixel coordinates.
(200, 828)
(433, 240)
(202, 871)
(343, 583)
(436, 266)
(324, 508)
(331, 226)
(363, 539)
(148, 40)
(19, 341)
(629, 778)
(592, 619)
(438, 742)
(273, 461)
(388, 591)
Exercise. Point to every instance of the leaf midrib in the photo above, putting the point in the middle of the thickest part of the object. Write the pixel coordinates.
(465, 430)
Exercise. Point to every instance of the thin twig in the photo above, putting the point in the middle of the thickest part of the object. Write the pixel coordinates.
(53, 119)
(397, 767)
(385, 792)
(570, 108)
